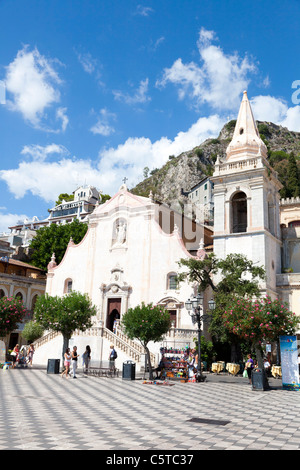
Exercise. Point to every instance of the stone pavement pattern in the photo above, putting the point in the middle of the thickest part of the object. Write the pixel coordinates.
(41, 412)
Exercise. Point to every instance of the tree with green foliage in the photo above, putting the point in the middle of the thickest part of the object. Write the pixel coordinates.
(65, 314)
(207, 350)
(55, 239)
(239, 278)
(104, 198)
(261, 320)
(146, 323)
(264, 130)
(277, 156)
(293, 177)
(238, 274)
(32, 331)
(12, 312)
(64, 197)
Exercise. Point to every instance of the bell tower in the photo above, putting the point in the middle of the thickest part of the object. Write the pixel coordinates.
(246, 200)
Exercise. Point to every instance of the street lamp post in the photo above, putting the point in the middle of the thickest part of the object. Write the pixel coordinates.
(193, 307)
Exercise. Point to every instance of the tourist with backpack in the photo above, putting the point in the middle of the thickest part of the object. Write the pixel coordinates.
(112, 357)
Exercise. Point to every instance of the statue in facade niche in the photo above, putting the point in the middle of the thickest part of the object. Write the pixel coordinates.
(121, 233)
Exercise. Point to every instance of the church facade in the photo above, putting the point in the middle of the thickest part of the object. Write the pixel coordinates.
(130, 255)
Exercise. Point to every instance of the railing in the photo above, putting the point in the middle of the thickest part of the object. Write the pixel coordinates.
(246, 164)
(118, 339)
(45, 339)
(181, 334)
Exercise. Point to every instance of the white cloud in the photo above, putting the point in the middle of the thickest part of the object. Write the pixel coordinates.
(271, 109)
(139, 96)
(103, 126)
(88, 63)
(268, 108)
(143, 10)
(217, 81)
(130, 158)
(40, 153)
(61, 114)
(158, 42)
(32, 87)
(292, 119)
(7, 219)
(48, 179)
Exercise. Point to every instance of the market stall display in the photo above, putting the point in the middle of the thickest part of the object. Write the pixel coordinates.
(175, 366)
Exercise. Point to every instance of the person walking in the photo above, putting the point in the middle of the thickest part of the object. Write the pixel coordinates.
(15, 354)
(67, 362)
(112, 357)
(30, 355)
(74, 361)
(249, 367)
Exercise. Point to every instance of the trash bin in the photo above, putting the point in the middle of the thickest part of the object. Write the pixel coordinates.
(259, 380)
(128, 370)
(53, 366)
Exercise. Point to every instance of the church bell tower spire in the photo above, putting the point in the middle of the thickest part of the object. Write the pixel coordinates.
(246, 141)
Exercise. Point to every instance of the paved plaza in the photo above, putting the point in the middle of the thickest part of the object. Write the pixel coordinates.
(41, 411)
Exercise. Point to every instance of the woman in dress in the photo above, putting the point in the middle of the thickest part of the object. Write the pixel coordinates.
(67, 362)
(86, 357)
(30, 354)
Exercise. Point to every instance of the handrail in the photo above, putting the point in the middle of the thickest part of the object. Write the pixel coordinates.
(119, 339)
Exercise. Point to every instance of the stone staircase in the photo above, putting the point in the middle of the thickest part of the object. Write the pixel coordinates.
(130, 348)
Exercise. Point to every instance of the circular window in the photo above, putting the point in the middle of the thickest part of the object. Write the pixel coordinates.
(241, 130)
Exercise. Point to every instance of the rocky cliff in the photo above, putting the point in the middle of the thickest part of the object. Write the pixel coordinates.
(182, 172)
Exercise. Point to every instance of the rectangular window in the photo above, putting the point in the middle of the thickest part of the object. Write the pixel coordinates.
(173, 282)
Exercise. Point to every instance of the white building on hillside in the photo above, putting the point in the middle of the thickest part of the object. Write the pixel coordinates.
(86, 198)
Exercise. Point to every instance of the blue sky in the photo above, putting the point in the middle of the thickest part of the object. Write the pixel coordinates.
(95, 91)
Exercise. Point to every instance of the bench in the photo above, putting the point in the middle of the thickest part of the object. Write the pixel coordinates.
(105, 370)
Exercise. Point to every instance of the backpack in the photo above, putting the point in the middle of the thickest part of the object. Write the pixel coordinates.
(113, 354)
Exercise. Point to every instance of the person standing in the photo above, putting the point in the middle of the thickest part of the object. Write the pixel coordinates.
(86, 357)
(30, 354)
(74, 361)
(112, 357)
(249, 367)
(67, 362)
(15, 353)
(191, 360)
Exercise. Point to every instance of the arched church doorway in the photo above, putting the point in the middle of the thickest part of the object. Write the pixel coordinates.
(113, 312)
